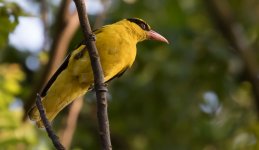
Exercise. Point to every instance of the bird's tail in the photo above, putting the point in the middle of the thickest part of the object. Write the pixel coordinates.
(51, 113)
(35, 116)
(53, 105)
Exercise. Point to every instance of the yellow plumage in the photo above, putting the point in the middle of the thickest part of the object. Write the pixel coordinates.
(116, 44)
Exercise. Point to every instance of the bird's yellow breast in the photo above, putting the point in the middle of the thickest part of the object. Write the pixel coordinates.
(114, 56)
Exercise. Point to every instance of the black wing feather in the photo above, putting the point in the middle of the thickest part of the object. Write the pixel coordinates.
(55, 75)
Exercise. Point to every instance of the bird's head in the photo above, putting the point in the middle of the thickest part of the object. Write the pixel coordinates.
(143, 31)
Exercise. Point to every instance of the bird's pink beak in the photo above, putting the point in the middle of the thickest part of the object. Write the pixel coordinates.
(152, 35)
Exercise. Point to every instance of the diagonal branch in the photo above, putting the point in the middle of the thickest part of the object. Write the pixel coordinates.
(231, 30)
(47, 125)
(99, 85)
(74, 111)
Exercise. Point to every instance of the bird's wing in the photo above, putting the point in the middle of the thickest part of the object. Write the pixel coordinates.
(55, 75)
(118, 74)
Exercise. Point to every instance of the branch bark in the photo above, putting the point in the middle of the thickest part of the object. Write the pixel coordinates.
(232, 31)
(75, 109)
(47, 125)
(99, 84)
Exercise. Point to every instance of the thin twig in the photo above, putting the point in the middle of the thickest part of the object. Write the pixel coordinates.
(47, 125)
(99, 85)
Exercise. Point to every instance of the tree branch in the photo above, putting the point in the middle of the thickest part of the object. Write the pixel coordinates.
(47, 125)
(99, 85)
(232, 31)
(76, 106)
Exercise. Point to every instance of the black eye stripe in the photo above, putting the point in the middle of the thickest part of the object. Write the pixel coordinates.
(140, 23)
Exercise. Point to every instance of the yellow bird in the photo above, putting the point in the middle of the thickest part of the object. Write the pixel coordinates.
(116, 45)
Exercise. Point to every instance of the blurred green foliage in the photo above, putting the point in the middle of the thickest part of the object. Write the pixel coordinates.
(191, 94)
(9, 13)
(13, 133)
(9, 83)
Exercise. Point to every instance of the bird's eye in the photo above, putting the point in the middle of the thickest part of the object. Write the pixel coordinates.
(143, 26)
